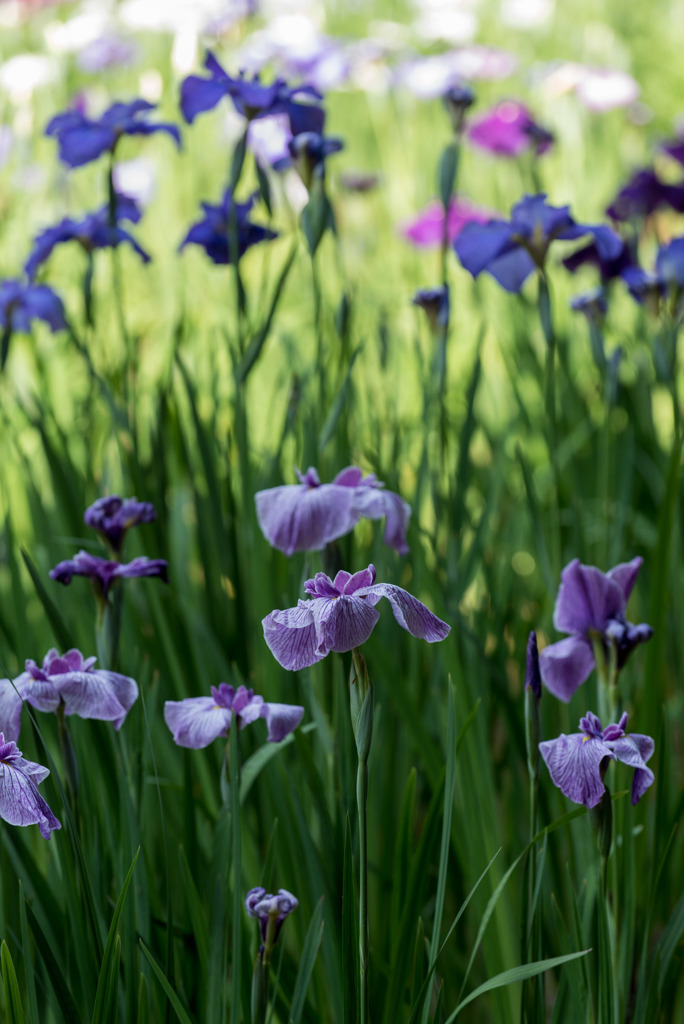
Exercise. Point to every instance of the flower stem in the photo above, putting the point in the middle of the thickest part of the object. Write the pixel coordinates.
(236, 842)
(361, 706)
(546, 319)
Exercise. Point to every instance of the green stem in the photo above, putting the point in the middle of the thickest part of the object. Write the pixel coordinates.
(236, 837)
(546, 319)
(361, 707)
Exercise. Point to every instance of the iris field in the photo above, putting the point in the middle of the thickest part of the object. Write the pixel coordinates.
(371, 516)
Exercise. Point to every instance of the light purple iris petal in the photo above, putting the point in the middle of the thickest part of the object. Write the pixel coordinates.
(349, 477)
(634, 750)
(291, 636)
(99, 694)
(587, 598)
(574, 763)
(196, 721)
(479, 244)
(376, 503)
(41, 694)
(10, 710)
(512, 269)
(296, 517)
(566, 665)
(281, 719)
(348, 623)
(362, 578)
(20, 801)
(625, 575)
(410, 613)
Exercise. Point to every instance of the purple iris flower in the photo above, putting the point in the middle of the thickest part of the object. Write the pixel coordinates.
(20, 801)
(610, 266)
(252, 98)
(511, 250)
(593, 305)
(94, 231)
(341, 615)
(591, 607)
(71, 680)
(269, 909)
(643, 194)
(21, 303)
(675, 149)
(670, 263)
(308, 153)
(213, 231)
(578, 763)
(308, 515)
(435, 303)
(82, 139)
(113, 516)
(104, 573)
(508, 130)
(197, 721)
(650, 287)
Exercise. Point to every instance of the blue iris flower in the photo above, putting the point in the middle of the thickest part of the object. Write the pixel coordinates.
(212, 232)
(82, 139)
(94, 231)
(252, 98)
(22, 302)
(643, 194)
(511, 250)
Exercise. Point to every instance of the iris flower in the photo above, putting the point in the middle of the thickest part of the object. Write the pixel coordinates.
(212, 232)
(435, 303)
(21, 303)
(578, 763)
(643, 194)
(104, 573)
(591, 607)
(508, 130)
(82, 139)
(20, 801)
(511, 250)
(308, 515)
(427, 228)
(196, 721)
(308, 154)
(340, 615)
(113, 516)
(269, 909)
(94, 231)
(71, 680)
(251, 97)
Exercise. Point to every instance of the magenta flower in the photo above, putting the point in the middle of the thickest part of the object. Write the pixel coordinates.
(578, 763)
(113, 516)
(71, 680)
(341, 615)
(508, 129)
(308, 515)
(427, 229)
(591, 607)
(196, 721)
(104, 573)
(20, 801)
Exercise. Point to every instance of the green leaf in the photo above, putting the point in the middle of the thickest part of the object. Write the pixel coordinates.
(65, 1001)
(102, 1010)
(62, 634)
(257, 343)
(255, 764)
(338, 405)
(29, 975)
(513, 976)
(13, 1009)
(350, 943)
(181, 1013)
(312, 942)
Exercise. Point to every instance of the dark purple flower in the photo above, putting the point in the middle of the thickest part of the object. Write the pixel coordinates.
(591, 606)
(457, 99)
(578, 763)
(82, 139)
(270, 910)
(251, 97)
(213, 231)
(104, 573)
(196, 721)
(643, 194)
(113, 516)
(511, 250)
(508, 130)
(21, 303)
(341, 615)
(20, 801)
(675, 149)
(308, 153)
(670, 263)
(601, 255)
(593, 305)
(650, 287)
(532, 676)
(68, 679)
(308, 515)
(435, 303)
(94, 231)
